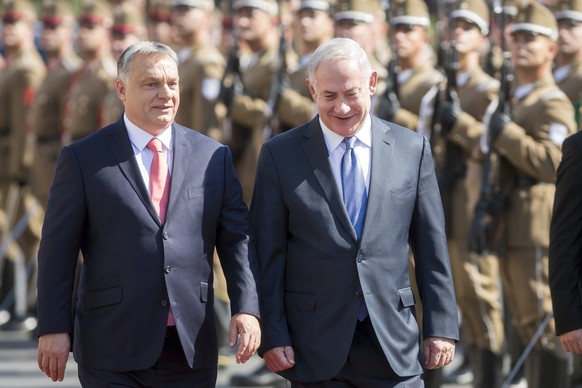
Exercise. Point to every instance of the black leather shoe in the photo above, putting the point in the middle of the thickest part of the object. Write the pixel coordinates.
(260, 377)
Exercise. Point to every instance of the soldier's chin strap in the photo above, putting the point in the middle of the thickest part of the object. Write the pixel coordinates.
(527, 350)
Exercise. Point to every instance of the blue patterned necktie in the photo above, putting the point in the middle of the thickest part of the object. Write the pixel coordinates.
(353, 186)
(355, 197)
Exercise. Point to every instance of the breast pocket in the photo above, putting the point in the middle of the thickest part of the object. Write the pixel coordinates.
(200, 191)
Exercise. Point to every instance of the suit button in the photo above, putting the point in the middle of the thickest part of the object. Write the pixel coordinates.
(164, 303)
(167, 269)
(360, 259)
(357, 295)
(165, 235)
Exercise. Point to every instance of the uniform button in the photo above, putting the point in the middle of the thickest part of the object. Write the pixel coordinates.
(164, 303)
(165, 235)
(357, 295)
(167, 269)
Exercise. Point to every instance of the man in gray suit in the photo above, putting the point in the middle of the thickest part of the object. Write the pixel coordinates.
(333, 222)
(146, 201)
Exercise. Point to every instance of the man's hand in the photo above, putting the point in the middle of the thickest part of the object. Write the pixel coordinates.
(279, 359)
(438, 352)
(497, 124)
(387, 107)
(572, 341)
(448, 113)
(245, 328)
(53, 353)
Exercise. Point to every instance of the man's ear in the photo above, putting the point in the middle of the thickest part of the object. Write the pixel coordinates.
(373, 82)
(311, 90)
(120, 89)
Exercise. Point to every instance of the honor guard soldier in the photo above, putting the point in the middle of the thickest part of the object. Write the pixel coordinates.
(248, 101)
(58, 20)
(416, 75)
(358, 20)
(201, 65)
(19, 80)
(84, 110)
(128, 27)
(568, 63)
(314, 26)
(477, 282)
(158, 25)
(528, 143)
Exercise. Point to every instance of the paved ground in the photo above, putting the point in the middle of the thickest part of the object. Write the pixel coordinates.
(18, 368)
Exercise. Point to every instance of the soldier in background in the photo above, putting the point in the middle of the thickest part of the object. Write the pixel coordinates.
(477, 282)
(84, 109)
(158, 25)
(358, 20)
(568, 63)
(248, 103)
(416, 74)
(19, 80)
(200, 67)
(58, 18)
(529, 148)
(313, 26)
(128, 27)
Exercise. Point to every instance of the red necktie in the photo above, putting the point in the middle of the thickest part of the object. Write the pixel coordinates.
(160, 188)
(159, 179)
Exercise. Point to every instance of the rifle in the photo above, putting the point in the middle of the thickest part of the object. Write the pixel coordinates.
(231, 85)
(278, 83)
(390, 95)
(486, 228)
(450, 165)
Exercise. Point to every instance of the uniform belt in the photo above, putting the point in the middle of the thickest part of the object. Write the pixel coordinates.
(48, 139)
(526, 180)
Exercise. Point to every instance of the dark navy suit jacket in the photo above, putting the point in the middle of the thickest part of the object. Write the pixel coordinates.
(313, 270)
(134, 267)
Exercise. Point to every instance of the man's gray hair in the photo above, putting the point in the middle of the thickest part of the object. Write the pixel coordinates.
(336, 49)
(142, 48)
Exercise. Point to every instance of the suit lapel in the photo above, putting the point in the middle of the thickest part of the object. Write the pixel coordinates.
(318, 158)
(120, 147)
(182, 156)
(381, 170)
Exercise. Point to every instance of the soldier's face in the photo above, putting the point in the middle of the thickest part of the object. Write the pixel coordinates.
(91, 37)
(150, 93)
(467, 36)
(410, 40)
(569, 37)
(530, 50)
(16, 33)
(362, 33)
(313, 25)
(342, 95)
(253, 24)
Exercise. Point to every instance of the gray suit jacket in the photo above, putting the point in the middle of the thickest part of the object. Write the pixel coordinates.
(134, 266)
(313, 271)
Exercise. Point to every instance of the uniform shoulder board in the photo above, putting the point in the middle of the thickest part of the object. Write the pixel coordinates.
(554, 94)
(488, 84)
(210, 56)
(109, 66)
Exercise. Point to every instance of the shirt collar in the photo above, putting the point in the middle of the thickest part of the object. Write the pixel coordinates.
(333, 140)
(140, 138)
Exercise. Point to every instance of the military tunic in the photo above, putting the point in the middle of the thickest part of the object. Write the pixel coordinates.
(530, 150)
(84, 109)
(200, 69)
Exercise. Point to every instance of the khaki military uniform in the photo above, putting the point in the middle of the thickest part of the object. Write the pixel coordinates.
(250, 115)
(413, 85)
(296, 105)
(18, 84)
(530, 150)
(84, 110)
(112, 107)
(200, 72)
(569, 79)
(47, 124)
(477, 282)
